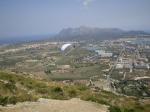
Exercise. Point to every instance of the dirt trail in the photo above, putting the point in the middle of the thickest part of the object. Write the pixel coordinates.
(48, 105)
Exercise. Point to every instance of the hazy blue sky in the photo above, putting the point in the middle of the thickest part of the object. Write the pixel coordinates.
(38, 17)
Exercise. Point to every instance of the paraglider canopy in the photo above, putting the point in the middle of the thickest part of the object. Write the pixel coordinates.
(65, 46)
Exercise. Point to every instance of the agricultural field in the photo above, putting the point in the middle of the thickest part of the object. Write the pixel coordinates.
(47, 61)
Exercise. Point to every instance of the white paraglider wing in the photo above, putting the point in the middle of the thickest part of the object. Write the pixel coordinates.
(65, 46)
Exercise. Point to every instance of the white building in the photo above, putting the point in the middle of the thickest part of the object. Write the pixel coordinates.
(102, 53)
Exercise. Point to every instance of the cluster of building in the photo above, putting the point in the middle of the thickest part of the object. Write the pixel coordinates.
(124, 63)
(132, 58)
(103, 53)
(100, 50)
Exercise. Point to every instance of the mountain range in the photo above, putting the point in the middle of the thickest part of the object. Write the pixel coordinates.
(89, 33)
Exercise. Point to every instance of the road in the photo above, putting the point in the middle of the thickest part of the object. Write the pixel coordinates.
(48, 105)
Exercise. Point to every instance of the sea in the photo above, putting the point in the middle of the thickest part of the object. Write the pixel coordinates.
(17, 40)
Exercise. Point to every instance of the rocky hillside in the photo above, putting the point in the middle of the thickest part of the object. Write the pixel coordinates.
(15, 88)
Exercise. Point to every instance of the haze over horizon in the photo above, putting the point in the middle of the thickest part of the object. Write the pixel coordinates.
(42, 17)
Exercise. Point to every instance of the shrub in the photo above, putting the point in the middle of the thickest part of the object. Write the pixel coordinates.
(57, 93)
(81, 87)
(43, 90)
(3, 100)
(12, 100)
(72, 93)
(114, 109)
(57, 90)
(11, 87)
(26, 97)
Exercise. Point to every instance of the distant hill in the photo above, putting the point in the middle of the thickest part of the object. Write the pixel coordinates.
(89, 33)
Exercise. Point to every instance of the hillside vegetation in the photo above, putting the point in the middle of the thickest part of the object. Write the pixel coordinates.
(15, 88)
